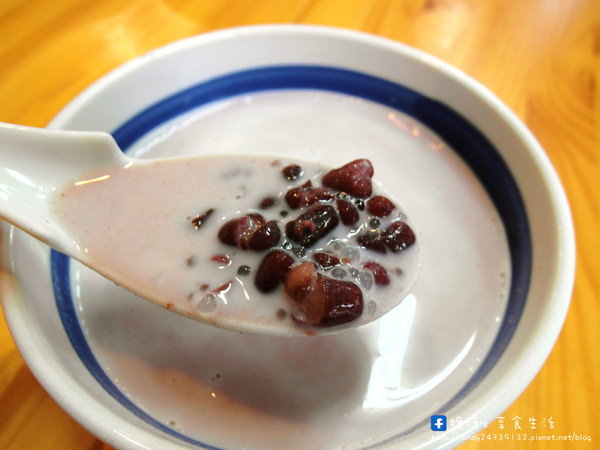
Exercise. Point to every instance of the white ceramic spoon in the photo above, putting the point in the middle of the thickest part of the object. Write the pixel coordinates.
(37, 164)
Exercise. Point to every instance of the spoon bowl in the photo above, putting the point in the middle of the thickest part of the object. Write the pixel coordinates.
(216, 237)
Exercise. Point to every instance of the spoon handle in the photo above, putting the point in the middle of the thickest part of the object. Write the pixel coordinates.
(34, 162)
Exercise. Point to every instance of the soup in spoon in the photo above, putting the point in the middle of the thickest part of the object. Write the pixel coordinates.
(247, 242)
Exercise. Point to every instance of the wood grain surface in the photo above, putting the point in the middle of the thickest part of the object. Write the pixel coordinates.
(540, 56)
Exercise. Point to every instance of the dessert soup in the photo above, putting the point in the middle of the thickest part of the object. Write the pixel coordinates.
(345, 390)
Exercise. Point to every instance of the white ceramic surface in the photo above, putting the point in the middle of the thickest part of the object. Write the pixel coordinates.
(164, 383)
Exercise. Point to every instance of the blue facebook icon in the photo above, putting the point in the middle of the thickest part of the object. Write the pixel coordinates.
(438, 423)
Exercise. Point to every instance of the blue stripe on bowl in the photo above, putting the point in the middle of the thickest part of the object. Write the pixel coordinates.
(61, 283)
(461, 135)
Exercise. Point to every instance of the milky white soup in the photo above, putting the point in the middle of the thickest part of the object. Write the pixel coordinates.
(343, 390)
(155, 227)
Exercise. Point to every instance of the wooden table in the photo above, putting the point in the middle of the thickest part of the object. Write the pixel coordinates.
(540, 56)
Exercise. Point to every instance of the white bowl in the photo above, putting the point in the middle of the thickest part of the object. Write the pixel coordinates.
(140, 377)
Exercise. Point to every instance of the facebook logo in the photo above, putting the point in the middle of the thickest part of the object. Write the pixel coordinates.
(439, 423)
